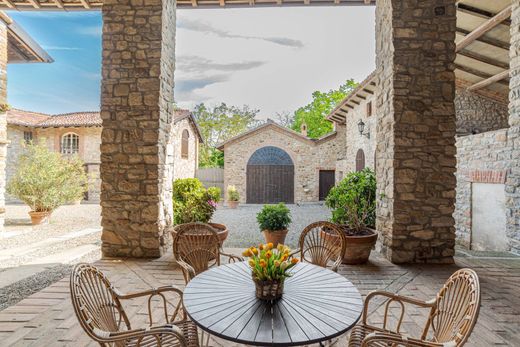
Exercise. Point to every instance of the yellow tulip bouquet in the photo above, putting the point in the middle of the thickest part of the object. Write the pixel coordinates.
(270, 267)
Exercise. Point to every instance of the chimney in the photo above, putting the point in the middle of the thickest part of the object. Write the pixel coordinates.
(303, 129)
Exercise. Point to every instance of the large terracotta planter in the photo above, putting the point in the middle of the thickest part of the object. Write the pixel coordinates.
(358, 247)
(275, 237)
(232, 204)
(39, 217)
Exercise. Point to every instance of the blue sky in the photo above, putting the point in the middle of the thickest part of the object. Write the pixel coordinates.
(271, 59)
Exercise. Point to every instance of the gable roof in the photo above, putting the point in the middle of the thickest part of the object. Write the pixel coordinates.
(181, 114)
(271, 124)
(43, 120)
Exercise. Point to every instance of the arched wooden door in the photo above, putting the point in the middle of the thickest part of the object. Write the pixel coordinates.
(270, 177)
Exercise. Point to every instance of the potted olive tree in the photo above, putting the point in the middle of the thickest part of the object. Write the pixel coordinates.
(45, 180)
(274, 221)
(353, 204)
(233, 197)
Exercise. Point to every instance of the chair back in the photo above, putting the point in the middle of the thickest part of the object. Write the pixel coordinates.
(322, 243)
(457, 309)
(198, 245)
(95, 302)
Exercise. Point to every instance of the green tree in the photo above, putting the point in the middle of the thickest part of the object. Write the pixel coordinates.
(314, 114)
(218, 124)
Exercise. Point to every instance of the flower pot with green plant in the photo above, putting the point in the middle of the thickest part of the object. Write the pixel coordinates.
(353, 204)
(194, 203)
(45, 180)
(274, 221)
(233, 197)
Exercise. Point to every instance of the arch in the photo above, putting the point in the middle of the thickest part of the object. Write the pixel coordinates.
(270, 176)
(185, 144)
(360, 160)
(69, 143)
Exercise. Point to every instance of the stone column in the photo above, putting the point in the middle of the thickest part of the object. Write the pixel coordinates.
(137, 111)
(3, 119)
(416, 129)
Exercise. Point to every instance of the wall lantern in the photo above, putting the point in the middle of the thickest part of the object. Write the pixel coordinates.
(361, 128)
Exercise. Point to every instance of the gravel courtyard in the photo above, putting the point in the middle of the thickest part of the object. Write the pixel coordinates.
(244, 231)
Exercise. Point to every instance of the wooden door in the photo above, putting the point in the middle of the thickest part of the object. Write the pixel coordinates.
(327, 181)
(270, 184)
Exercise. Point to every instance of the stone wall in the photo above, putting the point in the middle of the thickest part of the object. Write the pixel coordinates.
(184, 167)
(478, 114)
(137, 111)
(308, 157)
(415, 44)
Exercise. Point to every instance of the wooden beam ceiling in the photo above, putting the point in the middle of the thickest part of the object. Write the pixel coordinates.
(490, 80)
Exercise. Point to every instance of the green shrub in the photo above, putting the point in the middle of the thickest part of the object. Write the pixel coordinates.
(233, 194)
(353, 201)
(192, 202)
(215, 193)
(274, 217)
(45, 180)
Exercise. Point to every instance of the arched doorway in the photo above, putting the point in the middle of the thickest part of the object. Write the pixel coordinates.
(360, 160)
(270, 177)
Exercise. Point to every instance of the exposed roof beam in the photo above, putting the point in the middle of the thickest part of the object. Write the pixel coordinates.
(484, 59)
(477, 12)
(489, 81)
(34, 3)
(354, 102)
(368, 91)
(8, 3)
(484, 28)
(487, 40)
(477, 73)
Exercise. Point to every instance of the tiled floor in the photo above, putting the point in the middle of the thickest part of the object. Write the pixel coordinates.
(47, 319)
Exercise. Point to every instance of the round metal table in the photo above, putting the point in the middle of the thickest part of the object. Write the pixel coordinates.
(317, 305)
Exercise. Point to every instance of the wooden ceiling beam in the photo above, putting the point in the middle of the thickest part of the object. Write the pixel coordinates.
(490, 41)
(478, 73)
(484, 59)
(477, 12)
(482, 29)
(368, 91)
(59, 4)
(85, 4)
(9, 3)
(35, 3)
(489, 81)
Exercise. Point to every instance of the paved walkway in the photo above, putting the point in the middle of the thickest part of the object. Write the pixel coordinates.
(47, 319)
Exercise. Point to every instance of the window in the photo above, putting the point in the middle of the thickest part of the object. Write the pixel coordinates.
(360, 160)
(369, 108)
(185, 144)
(27, 136)
(70, 144)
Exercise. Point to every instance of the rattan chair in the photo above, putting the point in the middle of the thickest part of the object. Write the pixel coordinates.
(196, 248)
(453, 314)
(97, 305)
(322, 244)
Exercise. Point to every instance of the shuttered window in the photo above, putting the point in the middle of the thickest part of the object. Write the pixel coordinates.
(360, 160)
(185, 144)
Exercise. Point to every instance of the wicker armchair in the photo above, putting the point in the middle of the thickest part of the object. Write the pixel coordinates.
(196, 248)
(453, 314)
(97, 304)
(322, 243)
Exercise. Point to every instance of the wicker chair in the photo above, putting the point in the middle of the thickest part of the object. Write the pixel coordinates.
(453, 314)
(322, 243)
(97, 304)
(196, 248)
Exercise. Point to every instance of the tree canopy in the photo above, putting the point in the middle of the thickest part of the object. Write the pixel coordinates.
(314, 114)
(218, 124)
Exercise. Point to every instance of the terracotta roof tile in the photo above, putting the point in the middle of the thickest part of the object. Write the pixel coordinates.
(42, 120)
(25, 118)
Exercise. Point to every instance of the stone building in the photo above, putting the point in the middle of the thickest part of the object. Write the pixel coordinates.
(79, 134)
(271, 163)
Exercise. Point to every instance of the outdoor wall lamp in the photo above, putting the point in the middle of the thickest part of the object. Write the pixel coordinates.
(361, 128)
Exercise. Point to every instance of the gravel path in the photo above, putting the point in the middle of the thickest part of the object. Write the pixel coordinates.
(243, 228)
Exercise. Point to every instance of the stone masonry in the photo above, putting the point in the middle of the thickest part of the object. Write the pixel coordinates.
(416, 129)
(3, 119)
(137, 112)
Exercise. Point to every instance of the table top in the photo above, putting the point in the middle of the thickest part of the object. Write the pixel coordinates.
(317, 305)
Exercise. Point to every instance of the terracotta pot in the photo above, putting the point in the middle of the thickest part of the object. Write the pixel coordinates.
(275, 237)
(39, 217)
(358, 247)
(232, 204)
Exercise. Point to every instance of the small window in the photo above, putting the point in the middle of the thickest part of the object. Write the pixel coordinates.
(185, 144)
(369, 108)
(70, 144)
(360, 160)
(27, 136)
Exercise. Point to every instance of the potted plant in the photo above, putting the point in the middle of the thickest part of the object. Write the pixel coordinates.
(45, 180)
(273, 221)
(353, 204)
(233, 197)
(269, 268)
(194, 203)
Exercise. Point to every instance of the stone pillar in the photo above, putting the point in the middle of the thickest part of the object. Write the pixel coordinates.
(3, 119)
(514, 64)
(137, 112)
(416, 129)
